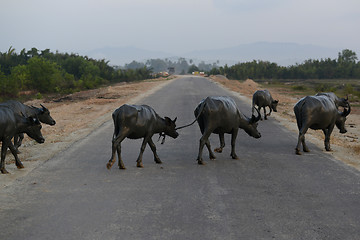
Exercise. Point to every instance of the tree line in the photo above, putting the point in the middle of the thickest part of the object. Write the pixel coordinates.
(48, 72)
(43, 71)
(345, 66)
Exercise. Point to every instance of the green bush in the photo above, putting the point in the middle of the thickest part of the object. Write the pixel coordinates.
(299, 88)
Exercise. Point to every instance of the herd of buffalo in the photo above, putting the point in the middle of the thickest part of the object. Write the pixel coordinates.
(217, 115)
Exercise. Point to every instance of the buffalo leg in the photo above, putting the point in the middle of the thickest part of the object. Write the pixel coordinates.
(116, 146)
(153, 149)
(18, 163)
(211, 154)
(233, 141)
(259, 108)
(327, 133)
(120, 161)
(203, 141)
(3, 154)
(142, 149)
(265, 116)
(222, 143)
(18, 140)
(301, 140)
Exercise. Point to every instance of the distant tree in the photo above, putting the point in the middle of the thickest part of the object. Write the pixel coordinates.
(134, 65)
(158, 65)
(193, 68)
(41, 72)
(347, 56)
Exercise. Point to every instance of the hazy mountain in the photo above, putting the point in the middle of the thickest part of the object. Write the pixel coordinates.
(123, 55)
(281, 53)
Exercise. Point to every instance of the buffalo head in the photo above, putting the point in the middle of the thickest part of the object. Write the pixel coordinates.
(170, 128)
(274, 105)
(33, 129)
(341, 118)
(251, 127)
(45, 117)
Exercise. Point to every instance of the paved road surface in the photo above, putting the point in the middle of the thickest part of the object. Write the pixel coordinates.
(269, 193)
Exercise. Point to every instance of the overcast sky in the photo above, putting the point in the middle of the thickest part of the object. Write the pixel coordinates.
(176, 26)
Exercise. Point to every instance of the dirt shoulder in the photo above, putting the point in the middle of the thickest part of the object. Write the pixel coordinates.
(345, 147)
(76, 115)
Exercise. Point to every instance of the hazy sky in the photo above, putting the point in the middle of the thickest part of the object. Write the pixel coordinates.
(176, 26)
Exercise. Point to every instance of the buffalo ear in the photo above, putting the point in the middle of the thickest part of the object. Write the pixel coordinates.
(168, 121)
(276, 101)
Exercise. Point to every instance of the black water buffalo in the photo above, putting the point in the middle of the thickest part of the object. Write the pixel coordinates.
(42, 113)
(139, 121)
(318, 112)
(12, 123)
(220, 115)
(339, 102)
(263, 99)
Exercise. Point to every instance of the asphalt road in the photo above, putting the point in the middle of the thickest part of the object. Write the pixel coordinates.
(269, 193)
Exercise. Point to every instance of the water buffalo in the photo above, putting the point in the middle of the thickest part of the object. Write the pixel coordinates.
(139, 121)
(42, 113)
(263, 99)
(12, 123)
(339, 102)
(318, 112)
(220, 115)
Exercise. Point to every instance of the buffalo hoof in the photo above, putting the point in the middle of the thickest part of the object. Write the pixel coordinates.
(158, 161)
(234, 157)
(218, 150)
(306, 150)
(4, 171)
(328, 149)
(19, 166)
(109, 165)
(122, 167)
(139, 165)
(201, 162)
(297, 151)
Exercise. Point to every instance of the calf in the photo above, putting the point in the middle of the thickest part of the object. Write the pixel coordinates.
(263, 99)
(138, 121)
(11, 124)
(220, 115)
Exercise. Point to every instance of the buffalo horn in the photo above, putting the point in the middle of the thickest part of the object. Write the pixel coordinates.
(253, 119)
(44, 108)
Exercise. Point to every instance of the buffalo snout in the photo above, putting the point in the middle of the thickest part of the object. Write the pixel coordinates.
(174, 135)
(343, 130)
(256, 135)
